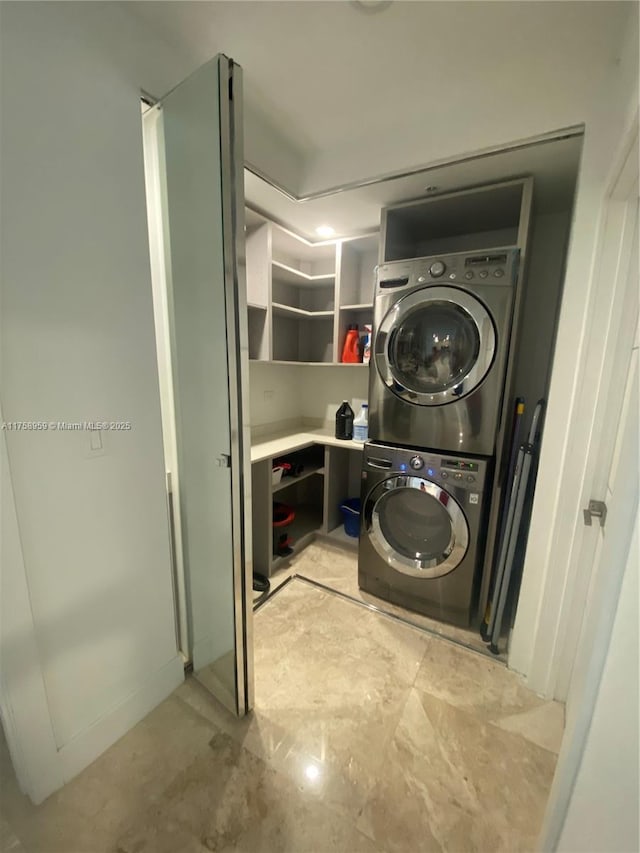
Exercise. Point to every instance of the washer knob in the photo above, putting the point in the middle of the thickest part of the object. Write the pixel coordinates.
(470, 478)
(437, 269)
(457, 476)
(484, 273)
(444, 475)
(468, 275)
(422, 279)
(416, 462)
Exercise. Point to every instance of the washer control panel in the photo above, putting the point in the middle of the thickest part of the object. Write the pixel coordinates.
(458, 472)
(437, 269)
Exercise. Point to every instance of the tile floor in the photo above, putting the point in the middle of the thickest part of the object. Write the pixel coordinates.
(336, 567)
(368, 735)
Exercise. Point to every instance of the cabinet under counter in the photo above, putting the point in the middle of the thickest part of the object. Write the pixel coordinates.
(330, 473)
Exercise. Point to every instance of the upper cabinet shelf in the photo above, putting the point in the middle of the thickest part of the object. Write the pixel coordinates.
(291, 275)
(469, 220)
(309, 292)
(280, 310)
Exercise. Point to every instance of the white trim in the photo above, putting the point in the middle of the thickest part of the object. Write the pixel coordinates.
(546, 591)
(23, 697)
(87, 746)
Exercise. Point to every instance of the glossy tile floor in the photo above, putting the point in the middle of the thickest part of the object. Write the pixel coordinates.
(367, 736)
(336, 567)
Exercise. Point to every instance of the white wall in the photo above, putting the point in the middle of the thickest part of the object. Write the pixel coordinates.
(78, 344)
(565, 443)
(545, 274)
(274, 393)
(288, 393)
(324, 388)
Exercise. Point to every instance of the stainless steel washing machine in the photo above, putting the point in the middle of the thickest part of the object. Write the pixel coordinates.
(421, 530)
(442, 329)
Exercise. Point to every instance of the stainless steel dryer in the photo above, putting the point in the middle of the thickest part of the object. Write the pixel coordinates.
(421, 541)
(442, 330)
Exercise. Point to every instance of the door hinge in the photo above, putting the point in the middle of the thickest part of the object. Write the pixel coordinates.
(596, 509)
(224, 460)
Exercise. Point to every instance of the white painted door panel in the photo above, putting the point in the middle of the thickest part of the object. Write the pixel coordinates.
(615, 318)
(201, 243)
(594, 799)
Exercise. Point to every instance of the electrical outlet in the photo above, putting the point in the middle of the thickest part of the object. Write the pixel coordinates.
(269, 395)
(95, 444)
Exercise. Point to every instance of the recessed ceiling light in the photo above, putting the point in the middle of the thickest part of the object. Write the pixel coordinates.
(325, 231)
(370, 6)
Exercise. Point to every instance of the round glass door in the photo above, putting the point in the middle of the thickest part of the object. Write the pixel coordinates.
(417, 527)
(435, 345)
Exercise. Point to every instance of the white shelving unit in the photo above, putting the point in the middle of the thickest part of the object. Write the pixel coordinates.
(302, 296)
(330, 475)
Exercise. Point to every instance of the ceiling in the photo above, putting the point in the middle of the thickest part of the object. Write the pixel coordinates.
(336, 93)
(553, 165)
(342, 93)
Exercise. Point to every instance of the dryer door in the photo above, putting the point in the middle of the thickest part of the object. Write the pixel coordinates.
(435, 346)
(416, 527)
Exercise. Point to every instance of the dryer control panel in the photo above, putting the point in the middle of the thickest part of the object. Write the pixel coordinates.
(495, 267)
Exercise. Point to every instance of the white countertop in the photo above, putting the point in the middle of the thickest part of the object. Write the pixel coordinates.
(284, 441)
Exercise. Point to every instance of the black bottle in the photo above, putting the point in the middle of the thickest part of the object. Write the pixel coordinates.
(344, 421)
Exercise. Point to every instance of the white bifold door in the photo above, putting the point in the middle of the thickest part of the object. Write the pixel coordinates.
(201, 204)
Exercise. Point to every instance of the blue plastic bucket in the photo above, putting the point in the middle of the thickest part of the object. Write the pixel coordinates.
(350, 510)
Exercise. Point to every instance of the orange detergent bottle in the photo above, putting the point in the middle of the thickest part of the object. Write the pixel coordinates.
(351, 348)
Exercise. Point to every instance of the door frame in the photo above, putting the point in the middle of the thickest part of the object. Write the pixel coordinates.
(547, 597)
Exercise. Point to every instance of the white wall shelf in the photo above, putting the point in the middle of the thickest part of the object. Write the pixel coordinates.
(317, 363)
(291, 481)
(280, 310)
(291, 275)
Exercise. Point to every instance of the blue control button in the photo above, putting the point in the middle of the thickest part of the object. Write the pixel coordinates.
(430, 472)
(403, 466)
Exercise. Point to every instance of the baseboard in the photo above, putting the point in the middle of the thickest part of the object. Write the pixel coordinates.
(87, 746)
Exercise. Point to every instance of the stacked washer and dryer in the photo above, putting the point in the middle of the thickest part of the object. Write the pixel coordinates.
(442, 330)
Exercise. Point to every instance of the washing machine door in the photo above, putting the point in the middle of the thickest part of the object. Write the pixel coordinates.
(417, 527)
(435, 346)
